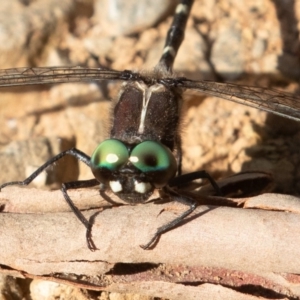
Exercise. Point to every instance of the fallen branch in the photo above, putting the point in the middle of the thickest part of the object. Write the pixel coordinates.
(214, 240)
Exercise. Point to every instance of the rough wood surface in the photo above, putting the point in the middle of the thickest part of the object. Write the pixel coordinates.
(256, 245)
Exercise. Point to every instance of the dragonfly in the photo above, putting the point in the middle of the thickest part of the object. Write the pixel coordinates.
(143, 152)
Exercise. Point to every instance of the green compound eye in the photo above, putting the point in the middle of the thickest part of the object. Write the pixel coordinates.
(110, 154)
(152, 157)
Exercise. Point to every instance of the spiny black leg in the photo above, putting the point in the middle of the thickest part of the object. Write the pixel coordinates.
(175, 34)
(77, 212)
(88, 183)
(76, 185)
(180, 198)
(74, 152)
(186, 178)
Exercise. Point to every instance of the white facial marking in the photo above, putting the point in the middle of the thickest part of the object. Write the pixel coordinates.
(142, 187)
(182, 9)
(115, 186)
(112, 158)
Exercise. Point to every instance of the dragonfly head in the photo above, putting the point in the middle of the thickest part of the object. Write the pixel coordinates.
(133, 171)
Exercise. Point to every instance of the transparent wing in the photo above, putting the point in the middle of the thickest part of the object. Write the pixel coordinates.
(283, 104)
(28, 76)
(270, 100)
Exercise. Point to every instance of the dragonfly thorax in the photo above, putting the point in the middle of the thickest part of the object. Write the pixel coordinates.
(147, 112)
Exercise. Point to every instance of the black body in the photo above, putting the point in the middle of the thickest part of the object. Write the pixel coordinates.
(161, 119)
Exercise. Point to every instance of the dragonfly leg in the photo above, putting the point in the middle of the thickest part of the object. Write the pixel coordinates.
(170, 225)
(186, 178)
(65, 186)
(107, 198)
(74, 152)
(76, 185)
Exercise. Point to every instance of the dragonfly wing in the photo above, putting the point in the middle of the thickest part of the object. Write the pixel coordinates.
(270, 100)
(51, 75)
